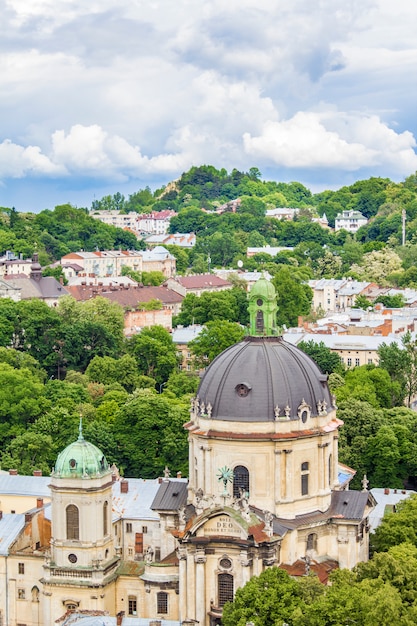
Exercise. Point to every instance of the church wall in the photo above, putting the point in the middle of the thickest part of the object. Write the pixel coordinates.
(150, 530)
(275, 470)
(21, 601)
(58, 598)
(144, 594)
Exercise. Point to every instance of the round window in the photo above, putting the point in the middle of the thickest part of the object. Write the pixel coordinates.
(304, 416)
(242, 390)
(259, 302)
(72, 558)
(72, 463)
(225, 563)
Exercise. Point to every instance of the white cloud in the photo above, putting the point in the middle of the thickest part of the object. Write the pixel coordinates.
(334, 141)
(17, 161)
(128, 90)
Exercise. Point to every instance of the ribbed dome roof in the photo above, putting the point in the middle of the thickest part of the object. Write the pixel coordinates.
(248, 381)
(263, 288)
(81, 459)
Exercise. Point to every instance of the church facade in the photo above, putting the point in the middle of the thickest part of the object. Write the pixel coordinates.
(265, 489)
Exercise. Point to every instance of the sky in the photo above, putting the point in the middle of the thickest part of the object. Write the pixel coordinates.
(111, 96)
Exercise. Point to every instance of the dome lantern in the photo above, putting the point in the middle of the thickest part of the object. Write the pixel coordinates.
(262, 308)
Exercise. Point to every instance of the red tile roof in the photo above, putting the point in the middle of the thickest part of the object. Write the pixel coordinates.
(201, 281)
(126, 296)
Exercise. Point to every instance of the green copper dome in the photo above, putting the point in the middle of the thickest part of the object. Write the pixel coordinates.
(81, 459)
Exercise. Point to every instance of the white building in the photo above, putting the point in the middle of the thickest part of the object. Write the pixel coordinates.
(349, 220)
(126, 221)
(155, 223)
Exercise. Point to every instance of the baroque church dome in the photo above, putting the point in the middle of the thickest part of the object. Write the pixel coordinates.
(81, 459)
(263, 378)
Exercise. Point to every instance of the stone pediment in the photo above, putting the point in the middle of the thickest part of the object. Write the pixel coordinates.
(222, 523)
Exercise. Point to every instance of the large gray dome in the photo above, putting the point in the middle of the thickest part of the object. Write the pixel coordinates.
(248, 381)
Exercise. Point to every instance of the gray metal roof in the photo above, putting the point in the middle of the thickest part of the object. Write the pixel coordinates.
(171, 495)
(276, 374)
(349, 504)
(36, 486)
(10, 527)
(185, 334)
(386, 500)
(137, 502)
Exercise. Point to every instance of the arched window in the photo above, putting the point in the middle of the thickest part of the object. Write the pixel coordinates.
(35, 594)
(259, 321)
(225, 588)
(105, 518)
(311, 542)
(162, 602)
(304, 478)
(240, 481)
(73, 522)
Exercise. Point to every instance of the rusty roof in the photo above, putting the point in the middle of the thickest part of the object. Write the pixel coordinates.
(125, 296)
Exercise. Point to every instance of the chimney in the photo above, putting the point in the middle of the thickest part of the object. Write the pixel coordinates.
(179, 474)
(39, 503)
(119, 618)
(386, 491)
(1, 514)
(13, 472)
(124, 486)
(28, 517)
(37, 472)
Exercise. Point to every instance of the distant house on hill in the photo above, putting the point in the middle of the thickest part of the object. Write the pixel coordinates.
(111, 262)
(155, 223)
(126, 221)
(282, 213)
(183, 240)
(271, 250)
(350, 221)
(45, 288)
(7, 290)
(12, 266)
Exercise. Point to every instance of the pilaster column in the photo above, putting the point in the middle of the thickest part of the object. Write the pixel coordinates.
(200, 590)
(288, 475)
(191, 595)
(277, 487)
(182, 556)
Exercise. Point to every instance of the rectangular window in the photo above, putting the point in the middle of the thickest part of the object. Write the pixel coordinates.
(304, 484)
(132, 605)
(369, 361)
(357, 362)
(144, 529)
(162, 601)
(128, 527)
(21, 594)
(21, 568)
(349, 362)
